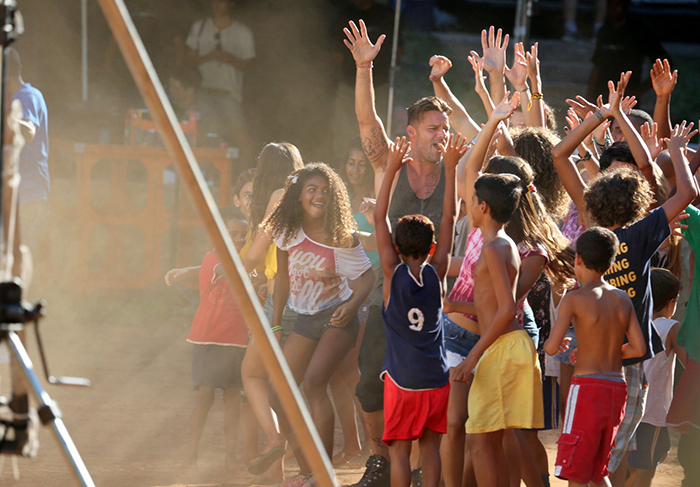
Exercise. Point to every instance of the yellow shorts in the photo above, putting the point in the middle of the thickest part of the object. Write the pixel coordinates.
(507, 387)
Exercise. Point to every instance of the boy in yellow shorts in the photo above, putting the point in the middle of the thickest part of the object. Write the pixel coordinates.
(506, 391)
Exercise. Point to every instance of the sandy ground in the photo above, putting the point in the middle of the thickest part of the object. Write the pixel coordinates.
(131, 425)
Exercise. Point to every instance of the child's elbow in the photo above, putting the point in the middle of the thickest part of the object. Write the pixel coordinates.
(557, 154)
(509, 311)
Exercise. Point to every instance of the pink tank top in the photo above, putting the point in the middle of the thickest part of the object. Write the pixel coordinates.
(463, 290)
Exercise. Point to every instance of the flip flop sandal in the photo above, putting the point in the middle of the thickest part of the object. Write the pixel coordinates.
(260, 464)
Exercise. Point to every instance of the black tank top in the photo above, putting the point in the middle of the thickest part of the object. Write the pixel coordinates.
(405, 202)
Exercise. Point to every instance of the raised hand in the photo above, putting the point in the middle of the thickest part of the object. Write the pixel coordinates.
(478, 67)
(494, 51)
(677, 224)
(362, 49)
(533, 64)
(663, 80)
(600, 130)
(617, 92)
(506, 108)
(582, 106)
(680, 136)
(572, 119)
(517, 75)
(628, 103)
(440, 66)
(397, 154)
(456, 147)
(649, 136)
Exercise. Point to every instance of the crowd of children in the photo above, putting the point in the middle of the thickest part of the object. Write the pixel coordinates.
(568, 278)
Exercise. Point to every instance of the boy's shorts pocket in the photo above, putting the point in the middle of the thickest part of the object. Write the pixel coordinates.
(566, 448)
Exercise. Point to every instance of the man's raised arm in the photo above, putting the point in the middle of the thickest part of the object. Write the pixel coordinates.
(374, 139)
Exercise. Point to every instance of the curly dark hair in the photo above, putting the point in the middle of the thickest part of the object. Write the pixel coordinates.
(618, 197)
(597, 247)
(276, 161)
(287, 217)
(414, 235)
(531, 223)
(535, 144)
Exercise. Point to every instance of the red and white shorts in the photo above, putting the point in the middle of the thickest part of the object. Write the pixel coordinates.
(407, 413)
(594, 410)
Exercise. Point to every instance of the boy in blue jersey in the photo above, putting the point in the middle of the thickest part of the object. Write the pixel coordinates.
(415, 372)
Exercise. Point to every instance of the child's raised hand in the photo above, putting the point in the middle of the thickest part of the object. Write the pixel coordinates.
(506, 108)
(397, 154)
(440, 65)
(616, 93)
(677, 225)
(477, 63)
(457, 146)
(680, 136)
(628, 103)
(650, 138)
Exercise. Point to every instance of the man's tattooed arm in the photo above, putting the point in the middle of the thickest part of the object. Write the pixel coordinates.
(375, 145)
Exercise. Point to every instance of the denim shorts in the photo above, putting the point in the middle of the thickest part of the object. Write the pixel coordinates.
(313, 326)
(289, 317)
(530, 326)
(564, 357)
(458, 341)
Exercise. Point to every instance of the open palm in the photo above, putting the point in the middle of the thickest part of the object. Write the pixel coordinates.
(362, 49)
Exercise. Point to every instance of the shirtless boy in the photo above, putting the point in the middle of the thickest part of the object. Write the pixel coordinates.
(506, 391)
(602, 317)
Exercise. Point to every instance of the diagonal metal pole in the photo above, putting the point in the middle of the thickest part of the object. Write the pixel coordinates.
(153, 94)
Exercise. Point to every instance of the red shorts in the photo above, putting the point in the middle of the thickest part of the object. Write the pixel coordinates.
(407, 413)
(594, 410)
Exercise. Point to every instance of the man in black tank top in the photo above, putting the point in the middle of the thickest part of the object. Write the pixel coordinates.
(418, 189)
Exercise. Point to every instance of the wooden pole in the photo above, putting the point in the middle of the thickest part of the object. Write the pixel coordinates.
(175, 142)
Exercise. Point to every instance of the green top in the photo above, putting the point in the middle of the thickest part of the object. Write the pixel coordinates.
(689, 334)
(364, 225)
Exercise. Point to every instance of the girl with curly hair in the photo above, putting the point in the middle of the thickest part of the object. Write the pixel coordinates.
(535, 144)
(317, 254)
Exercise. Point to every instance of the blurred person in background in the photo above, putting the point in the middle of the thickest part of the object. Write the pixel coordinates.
(34, 187)
(222, 48)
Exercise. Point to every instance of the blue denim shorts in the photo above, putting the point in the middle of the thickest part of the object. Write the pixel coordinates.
(458, 341)
(565, 356)
(289, 317)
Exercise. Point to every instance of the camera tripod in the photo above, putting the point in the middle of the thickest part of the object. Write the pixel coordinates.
(16, 434)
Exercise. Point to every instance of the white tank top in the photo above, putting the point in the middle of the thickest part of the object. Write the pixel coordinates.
(659, 371)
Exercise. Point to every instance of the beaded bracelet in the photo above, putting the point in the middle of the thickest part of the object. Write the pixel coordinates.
(537, 96)
(599, 115)
(275, 328)
(365, 66)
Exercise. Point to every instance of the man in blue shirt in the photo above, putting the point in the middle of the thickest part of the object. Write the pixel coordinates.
(34, 188)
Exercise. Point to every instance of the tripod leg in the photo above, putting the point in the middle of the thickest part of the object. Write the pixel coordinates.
(49, 411)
